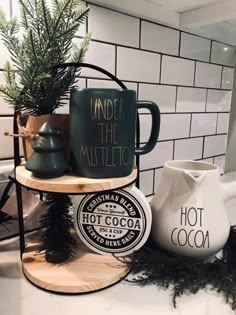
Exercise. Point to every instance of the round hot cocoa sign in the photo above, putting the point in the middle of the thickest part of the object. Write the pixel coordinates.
(116, 222)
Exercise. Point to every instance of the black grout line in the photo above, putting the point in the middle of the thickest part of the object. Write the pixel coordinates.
(140, 33)
(157, 83)
(190, 125)
(210, 51)
(156, 23)
(9, 158)
(195, 70)
(203, 146)
(160, 167)
(184, 113)
(206, 101)
(188, 138)
(217, 118)
(153, 182)
(173, 155)
(176, 98)
(155, 52)
(180, 40)
(160, 69)
(221, 77)
(151, 169)
(116, 60)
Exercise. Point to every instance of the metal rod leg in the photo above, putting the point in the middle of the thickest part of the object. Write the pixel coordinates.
(20, 217)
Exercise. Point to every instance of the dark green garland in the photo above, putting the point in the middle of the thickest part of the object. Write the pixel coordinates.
(58, 244)
(153, 265)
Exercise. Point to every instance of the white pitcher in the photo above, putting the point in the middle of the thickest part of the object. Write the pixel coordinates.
(189, 217)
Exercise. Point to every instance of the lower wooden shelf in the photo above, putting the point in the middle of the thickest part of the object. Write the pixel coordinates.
(88, 272)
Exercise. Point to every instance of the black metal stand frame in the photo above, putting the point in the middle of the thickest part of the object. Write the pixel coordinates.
(17, 159)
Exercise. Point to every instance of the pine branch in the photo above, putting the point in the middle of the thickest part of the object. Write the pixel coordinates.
(46, 15)
(33, 46)
(46, 41)
(26, 8)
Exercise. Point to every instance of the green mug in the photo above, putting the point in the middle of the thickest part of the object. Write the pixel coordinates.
(102, 131)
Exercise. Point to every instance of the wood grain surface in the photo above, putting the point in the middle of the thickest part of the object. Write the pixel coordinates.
(86, 273)
(72, 184)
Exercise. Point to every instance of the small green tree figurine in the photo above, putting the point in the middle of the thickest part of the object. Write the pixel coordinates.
(48, 159)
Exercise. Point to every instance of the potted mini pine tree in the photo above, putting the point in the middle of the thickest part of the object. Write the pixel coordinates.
(42, 39)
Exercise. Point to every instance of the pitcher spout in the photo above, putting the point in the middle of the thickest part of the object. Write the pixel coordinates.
(192, 178)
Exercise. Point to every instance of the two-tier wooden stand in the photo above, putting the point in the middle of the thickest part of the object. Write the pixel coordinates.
(88, 271)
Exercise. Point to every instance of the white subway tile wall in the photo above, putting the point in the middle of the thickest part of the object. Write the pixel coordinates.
(203, 124)
(188, 149)
(163, 95)
(222, 54)
(159, 38)
(188, 76)
(100, 21)
(214, 145)
(208, 75)
(137, 65)
(223, 123)
(195, 47)
(191, 100)
(227, 78)
(177, 71)
(218, 101)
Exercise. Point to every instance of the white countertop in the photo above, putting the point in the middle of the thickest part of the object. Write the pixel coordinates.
(19, 297)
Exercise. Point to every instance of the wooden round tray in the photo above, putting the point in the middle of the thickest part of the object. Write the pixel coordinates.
(86, 273)
(72, 184)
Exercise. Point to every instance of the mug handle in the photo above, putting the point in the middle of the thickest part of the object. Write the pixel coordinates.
(156, 118)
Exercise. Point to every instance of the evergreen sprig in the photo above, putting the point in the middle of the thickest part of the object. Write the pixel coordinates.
(153, 265)
(57, 241)
(42, 39)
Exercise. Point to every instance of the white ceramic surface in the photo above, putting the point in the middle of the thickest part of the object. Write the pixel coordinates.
(222, 54)
(189, 217)
(191, 100)
(214, 145)
(220, 162)
(163, 95)
(145, 127)
(136, 65)
(146, 182)
(223, 123)
(209, 160)
(188, 149)
(103, 84)
(162, 152)
(227, 78)
(159, 38)
(113, 223)
(177, 71)
(208, 75)
(103, 25)
(195, 47)
(174, 126)
(218, 101)
(203, 124)
(157, 178)
(99, 54)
